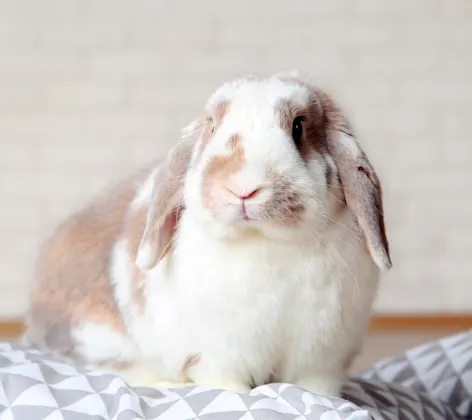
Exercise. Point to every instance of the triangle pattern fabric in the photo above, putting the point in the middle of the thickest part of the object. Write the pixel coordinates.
(441, 368)
(32, 371)
(201, 401)
(427, 383)
(158, 410)
(69, 397)
(178, 410)
(14, 385)
(55, 415)
(225, 400)
(79, 383)
(100, 383)
(111, 404)
(91, 403)
(36, 395)
(31, 412)
(7, 414)
(230, 415)
(73, 415)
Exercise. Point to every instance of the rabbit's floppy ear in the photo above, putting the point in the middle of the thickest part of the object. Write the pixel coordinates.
(166, 202)
(361, 185)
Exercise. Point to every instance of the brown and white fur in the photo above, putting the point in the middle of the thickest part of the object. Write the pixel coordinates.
(245, 257)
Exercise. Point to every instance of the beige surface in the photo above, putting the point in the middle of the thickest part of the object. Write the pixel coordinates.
(386, 344)
(91, 89)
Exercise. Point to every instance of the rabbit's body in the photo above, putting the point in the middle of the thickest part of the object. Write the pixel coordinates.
(72, 286)
(275, 293)
(253, 303)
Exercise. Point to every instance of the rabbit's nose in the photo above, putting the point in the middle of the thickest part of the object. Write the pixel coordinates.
(246, 194)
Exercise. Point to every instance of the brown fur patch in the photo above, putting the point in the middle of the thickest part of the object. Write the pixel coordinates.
(220, 168)
(207, 124)
(315, 125)
(219, 112)
(207, 134)
(313, 138)
(213, 120)
(362, 189)
(334, 119)
(166, 201)
(190, 361)
(285, 205)
(330, 114)
(71, 284)
(116, 365)
(234, 142)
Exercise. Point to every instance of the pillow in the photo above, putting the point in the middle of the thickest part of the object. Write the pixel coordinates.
(36, 385)
(388, 401)
(442, 369)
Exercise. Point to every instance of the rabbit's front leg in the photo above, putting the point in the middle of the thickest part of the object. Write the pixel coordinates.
(325, 384)
(219, 376)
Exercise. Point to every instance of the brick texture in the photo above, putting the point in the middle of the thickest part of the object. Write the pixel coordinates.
(92, 89)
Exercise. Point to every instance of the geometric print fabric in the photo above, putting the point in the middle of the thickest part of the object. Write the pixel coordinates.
(441, 369)
(35, 385)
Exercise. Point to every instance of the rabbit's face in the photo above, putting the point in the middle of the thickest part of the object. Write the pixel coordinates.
(261, 161)
(274, 156)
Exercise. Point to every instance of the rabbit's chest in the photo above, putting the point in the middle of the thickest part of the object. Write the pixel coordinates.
(251, 305)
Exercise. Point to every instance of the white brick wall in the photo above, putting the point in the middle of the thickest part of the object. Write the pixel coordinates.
(91, 89)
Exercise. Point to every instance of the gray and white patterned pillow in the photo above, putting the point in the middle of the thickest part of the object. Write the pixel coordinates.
(389, 401)
(441, 369)
(35, 385)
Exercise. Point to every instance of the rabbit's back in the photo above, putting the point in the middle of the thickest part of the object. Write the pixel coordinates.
(71, 286)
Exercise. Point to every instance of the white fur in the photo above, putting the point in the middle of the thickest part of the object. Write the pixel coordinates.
(121, 276)
(259, 307)
(102, 342)
(348, 142)
(145, 192)
(266, 147)
(292, 302)
(145, 255)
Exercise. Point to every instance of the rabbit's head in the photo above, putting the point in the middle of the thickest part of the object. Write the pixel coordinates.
(274, 157)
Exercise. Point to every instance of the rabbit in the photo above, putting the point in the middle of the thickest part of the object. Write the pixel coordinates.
(250, 255)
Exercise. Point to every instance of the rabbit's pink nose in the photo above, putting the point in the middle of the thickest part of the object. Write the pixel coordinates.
(245, 195)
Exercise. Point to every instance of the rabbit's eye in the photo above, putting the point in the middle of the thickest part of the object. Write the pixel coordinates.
(297, 130)
(212, 128)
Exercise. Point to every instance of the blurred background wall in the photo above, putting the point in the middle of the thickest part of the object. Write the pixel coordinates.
(92, 89)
